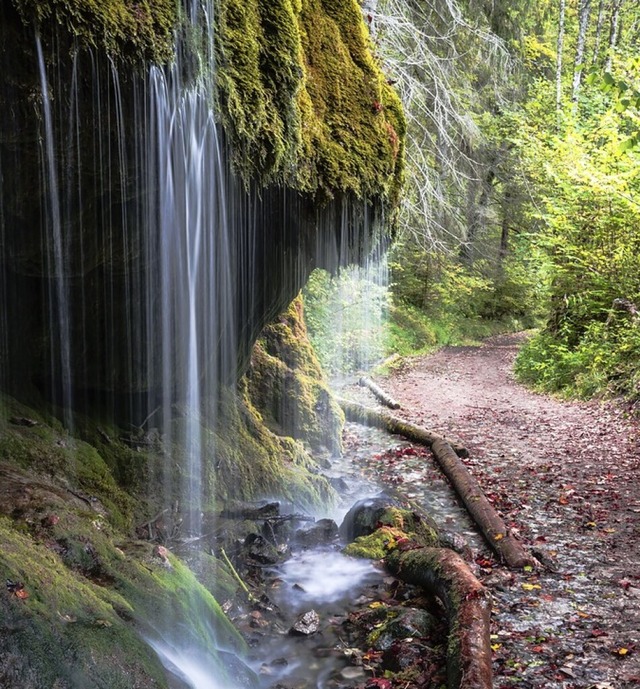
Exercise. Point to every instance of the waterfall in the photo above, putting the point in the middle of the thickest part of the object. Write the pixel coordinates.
(55, 251)
(137, 270)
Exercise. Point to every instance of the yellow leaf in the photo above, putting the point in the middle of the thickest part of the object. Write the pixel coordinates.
(530, 587)
(623, 651)
(375, 604)
(495, 647)
(499, 536)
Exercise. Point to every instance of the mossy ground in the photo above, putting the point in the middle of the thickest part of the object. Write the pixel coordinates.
(88, 604)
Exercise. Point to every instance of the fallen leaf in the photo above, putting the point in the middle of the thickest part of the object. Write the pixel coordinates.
(530, 587)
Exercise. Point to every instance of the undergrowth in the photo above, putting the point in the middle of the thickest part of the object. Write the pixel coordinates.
(602, 363)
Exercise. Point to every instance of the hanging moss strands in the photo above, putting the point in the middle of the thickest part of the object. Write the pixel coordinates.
(304, 100)
(133, 32)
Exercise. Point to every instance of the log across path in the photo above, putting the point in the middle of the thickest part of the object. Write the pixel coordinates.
(447, 453)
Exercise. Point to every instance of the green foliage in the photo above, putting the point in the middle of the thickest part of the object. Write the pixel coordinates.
(439, 300)
(346, 318)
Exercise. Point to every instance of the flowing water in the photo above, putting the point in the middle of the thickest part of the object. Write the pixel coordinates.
(157, 274)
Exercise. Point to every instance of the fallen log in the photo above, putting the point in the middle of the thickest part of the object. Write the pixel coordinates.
(447, 454)
(379, 393)
(507, 547)
(467, 603)
(370, 417)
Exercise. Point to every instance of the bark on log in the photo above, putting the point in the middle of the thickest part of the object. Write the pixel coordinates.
(468, 607)
(481, 510)
(370, 417)
(379, 393)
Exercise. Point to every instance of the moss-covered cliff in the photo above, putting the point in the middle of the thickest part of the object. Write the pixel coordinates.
(316, 135)
(304, 99)
(301, 95)
(134, 32)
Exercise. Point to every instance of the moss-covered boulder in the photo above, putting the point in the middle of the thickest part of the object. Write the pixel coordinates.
(384, 527)
(84, 596)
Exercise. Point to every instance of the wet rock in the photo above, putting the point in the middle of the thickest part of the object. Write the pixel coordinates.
(323, 531)
(362, 519)
(404, 654)
(250, 510)
(339, 484)
(243, 676)
(260, 550)
(352, 673)
(499, 579)
(22, 421)
(308, 623)
(408, 623)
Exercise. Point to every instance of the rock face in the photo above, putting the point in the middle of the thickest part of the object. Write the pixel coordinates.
(146, 238)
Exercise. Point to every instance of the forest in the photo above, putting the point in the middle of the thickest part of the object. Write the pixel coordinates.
(521, 202)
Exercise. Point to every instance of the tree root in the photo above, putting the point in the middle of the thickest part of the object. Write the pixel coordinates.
(467, 603)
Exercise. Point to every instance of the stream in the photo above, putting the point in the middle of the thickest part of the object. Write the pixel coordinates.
(345, 592)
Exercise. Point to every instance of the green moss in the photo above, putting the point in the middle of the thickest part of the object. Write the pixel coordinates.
(287, 385)
(305, 102)
(47, 449)
(73, 630)
(135, 31)
(88, 601)
(375, 546)
(397, 528)
(252, 461)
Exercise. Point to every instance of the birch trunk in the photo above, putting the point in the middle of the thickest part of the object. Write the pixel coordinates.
(583, 23)
(559, 49)
(614, 33)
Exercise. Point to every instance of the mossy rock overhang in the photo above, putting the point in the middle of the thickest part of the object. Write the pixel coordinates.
(303, 99)
(314, 134)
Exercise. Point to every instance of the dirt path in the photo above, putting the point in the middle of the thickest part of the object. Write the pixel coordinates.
(566, 477)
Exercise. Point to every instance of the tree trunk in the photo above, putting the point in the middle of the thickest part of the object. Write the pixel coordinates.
(477, 215)
(559, 49)
(583, 23)
(504, 233)
(379, 393)
(370, 417)
(444, 574)
(614, 33)
(506, 546)
(599, 25)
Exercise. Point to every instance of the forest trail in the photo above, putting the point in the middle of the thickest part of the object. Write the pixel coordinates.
(564, 475)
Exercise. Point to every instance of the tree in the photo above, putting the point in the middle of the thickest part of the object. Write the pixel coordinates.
(583, 23)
